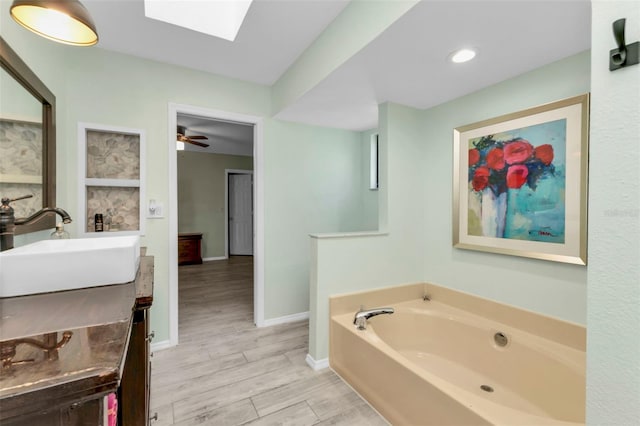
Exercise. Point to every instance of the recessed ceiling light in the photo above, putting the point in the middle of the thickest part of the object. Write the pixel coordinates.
(217, 18)
(462, 55)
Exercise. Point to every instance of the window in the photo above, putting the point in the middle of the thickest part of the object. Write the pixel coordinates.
(373, 162)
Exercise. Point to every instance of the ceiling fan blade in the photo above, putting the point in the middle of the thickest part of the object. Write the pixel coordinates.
(190, 139)
(204, 145)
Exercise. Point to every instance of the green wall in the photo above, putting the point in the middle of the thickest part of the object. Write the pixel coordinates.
(15, 102)
(308, 170)
(394, 255)
(314, 185)
(415, 211)
(201, 196)
(522, 282)
(127, 91)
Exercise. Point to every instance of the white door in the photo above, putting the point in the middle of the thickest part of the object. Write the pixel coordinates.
(240, 214)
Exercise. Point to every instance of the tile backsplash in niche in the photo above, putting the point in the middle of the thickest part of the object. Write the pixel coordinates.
(113, 155)
(123, 202)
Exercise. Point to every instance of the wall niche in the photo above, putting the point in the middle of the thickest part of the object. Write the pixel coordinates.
(111, 179)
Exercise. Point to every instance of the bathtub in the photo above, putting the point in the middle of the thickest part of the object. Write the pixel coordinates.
(431, 363)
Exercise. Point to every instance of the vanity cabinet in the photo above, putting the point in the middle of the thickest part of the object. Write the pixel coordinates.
(133, 393)
(89, 413)
(107, 352)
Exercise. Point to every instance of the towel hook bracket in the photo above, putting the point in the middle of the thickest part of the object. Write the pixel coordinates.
(625, 54)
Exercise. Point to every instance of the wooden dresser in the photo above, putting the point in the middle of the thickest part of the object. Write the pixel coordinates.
(189, 248)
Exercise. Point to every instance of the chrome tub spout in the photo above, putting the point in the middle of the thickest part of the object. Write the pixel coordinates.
(361, 317)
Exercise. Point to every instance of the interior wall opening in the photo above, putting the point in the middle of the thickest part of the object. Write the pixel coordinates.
(211, 153)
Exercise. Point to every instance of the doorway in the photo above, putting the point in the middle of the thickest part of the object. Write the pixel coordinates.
(257, 203)
(239, 217)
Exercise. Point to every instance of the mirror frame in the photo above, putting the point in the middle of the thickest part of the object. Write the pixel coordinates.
(15, 67)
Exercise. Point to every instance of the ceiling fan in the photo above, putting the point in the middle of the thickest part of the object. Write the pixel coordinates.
(181, 137)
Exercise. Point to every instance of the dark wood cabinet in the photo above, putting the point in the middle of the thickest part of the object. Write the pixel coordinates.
(133, 394)
(69, 388)
(189, 249)
(134, 390)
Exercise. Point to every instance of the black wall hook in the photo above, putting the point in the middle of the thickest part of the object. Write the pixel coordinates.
(626, 54)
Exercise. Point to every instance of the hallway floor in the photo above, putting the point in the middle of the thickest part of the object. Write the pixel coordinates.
(225, 371)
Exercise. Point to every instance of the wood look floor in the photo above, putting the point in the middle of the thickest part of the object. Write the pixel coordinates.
(225, 371)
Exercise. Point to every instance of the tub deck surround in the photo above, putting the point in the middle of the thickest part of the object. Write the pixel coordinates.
(90, 365)
(431, 358)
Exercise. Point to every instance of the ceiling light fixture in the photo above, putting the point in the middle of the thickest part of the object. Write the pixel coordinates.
(64, 21)
(179, 146)
(462, 55)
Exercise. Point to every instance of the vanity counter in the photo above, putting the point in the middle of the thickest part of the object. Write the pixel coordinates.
(88, 366)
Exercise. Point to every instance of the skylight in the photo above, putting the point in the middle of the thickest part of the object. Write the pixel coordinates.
(220, 18)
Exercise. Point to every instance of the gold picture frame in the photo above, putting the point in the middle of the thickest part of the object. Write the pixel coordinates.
(520, 183)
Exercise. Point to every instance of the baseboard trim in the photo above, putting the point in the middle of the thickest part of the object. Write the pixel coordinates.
(159, 346)
(320, 364)
(209, 259)
(285, 319)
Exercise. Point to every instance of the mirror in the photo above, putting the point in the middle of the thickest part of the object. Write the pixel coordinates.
(27, 140)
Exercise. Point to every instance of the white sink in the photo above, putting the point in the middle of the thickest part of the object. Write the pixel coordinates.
(54, 265)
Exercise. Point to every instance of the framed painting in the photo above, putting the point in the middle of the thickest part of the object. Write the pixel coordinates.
(520, 183)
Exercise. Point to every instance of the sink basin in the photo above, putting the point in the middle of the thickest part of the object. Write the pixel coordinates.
(55, 265)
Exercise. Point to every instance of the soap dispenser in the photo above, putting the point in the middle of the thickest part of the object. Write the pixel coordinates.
(60, 233)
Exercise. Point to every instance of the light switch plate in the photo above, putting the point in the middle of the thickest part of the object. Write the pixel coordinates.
(156, 210)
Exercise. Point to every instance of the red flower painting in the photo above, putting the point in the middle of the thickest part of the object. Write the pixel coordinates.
(474, 156)
(544, 153)
(518, 151)
(503, 165)
(517, 176)
(516, 181)
(495, 159)
(480, 178)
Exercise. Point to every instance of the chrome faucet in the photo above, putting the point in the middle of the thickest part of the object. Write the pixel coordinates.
(360, 320)
(8, 222)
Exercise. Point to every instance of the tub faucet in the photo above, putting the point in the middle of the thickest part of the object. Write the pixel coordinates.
(360, 320)
(8, 222)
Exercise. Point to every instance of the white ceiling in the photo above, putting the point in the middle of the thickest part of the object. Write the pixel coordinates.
(273, 35)
(406, 64)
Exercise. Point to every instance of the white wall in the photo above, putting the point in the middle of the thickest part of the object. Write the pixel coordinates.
(613, 322)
